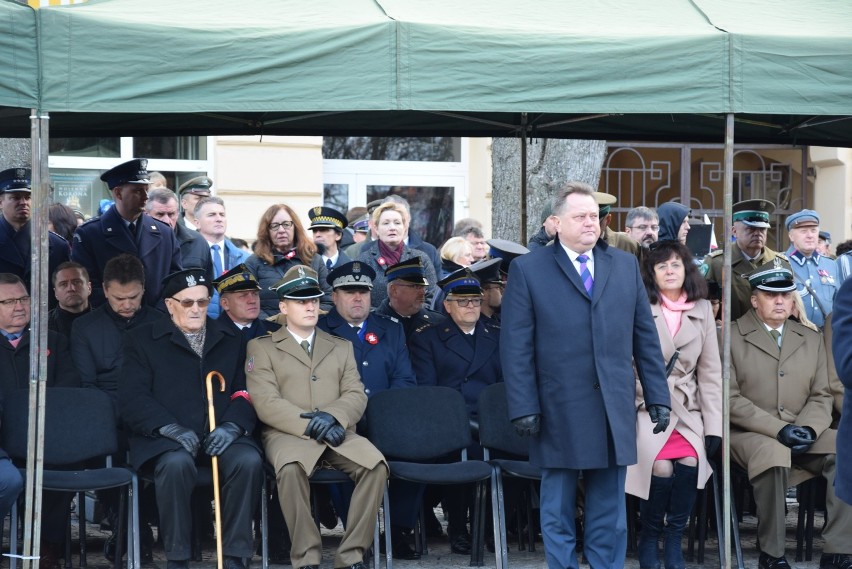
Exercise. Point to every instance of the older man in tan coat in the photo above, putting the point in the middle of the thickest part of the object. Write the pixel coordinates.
(306, 389)
(780, 416)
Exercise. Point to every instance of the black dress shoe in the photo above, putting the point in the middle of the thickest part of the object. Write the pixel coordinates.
(179, 564)
(233, 563)
(358, 565)
(309, 567)
(401, 550)
(768, 562)
(460, 543)
(835, 561)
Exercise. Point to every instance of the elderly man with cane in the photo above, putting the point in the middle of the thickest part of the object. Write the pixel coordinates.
(162, 400)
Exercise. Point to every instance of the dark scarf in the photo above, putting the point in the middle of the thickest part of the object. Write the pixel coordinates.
(391, 256)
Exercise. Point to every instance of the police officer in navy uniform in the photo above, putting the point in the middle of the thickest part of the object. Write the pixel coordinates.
(15, 239)
(407, 286)
(488, 273)
(463, 353)
(124, 228)
(327, 225)
(239, 298)
(383, 362)
(507, 251)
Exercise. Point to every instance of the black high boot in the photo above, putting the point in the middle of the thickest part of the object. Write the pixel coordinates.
(651, 512)
(681, 501)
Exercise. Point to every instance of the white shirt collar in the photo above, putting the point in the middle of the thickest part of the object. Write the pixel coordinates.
(299, 339)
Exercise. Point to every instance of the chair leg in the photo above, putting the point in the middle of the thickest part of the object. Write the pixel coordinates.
(809, 528)
(81, 526)
(68, 541)
(13, 537)
(137, 523)
(735, 535)
(478, 534)
(702, 525)
(264, 526)
(498, 518)
(119, 540)
(530, 523)
(388, 546)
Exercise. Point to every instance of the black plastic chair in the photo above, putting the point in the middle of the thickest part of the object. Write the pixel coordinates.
(416, 427)
(79, 426)
(496, 433)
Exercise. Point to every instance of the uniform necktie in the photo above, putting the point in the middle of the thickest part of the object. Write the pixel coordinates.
(328, 263)
(776, 335)
(585, 274)
(217, 260)
(306, 346)
(132, 228)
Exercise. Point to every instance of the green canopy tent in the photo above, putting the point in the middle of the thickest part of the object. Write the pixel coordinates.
(673, 70)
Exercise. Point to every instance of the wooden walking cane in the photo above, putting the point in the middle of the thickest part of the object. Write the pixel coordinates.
(217, 509)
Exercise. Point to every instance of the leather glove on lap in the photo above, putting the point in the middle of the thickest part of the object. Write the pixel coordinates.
(335, 435)
(798, 439)
(181, 435)
(712, 444)
(660, 415)
(221, 438)
(528, 425)
(320, 423)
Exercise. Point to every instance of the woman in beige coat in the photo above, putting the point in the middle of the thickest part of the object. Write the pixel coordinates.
(673, 465)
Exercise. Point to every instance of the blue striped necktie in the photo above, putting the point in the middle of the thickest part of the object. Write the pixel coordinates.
(585, 275)
(217, 260)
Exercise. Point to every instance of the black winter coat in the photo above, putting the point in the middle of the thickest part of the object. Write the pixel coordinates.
(15, 363)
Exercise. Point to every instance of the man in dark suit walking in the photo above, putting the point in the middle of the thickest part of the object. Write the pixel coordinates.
(568, 367)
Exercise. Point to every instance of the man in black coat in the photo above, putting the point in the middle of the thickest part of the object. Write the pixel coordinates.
(162, 401)
(162, 204)
(72, 290)
(11, 482)
(15, 238)
(239, 299)
(124, 228)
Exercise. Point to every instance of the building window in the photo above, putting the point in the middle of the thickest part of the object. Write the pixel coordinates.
(410, 149)
(171, 147)
(88, 147)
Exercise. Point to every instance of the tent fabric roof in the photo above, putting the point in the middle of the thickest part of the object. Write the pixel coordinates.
(615, 69)
(18, 56)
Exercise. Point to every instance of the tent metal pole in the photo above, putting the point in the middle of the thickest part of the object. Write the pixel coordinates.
(523, 178)
(38, 335)
(726, 336)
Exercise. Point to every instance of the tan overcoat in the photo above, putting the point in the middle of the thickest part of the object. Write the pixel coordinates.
(284, 382)
(695, 385)
(771, 389)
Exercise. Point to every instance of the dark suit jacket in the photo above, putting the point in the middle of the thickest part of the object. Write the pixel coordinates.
(441, 355)
(570, 358)
(382, 358)
(100, 239)
(15, 363)
(841, 344)
(12, 261)
(258, 328)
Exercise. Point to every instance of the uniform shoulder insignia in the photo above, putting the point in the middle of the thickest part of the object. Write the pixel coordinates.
(57, 235)
(782, 256)
(716, 253)
(267, 335)
(422, 327)
(384, 317)
(92, 220)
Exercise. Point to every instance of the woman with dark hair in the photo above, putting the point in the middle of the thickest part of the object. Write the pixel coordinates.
(62, 221)
(282, 243)
(672, 466)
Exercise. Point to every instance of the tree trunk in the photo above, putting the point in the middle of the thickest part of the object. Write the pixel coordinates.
(550, 163)
(14, 152)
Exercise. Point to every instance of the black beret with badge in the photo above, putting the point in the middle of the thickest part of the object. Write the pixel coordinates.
(325, 217)
(15, 180)
(238, 278)
(131, 172)
(353, 274)
(187, 278)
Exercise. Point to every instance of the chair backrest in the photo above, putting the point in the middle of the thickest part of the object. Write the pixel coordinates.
(79, 424)
(418, 423)
(496, 431)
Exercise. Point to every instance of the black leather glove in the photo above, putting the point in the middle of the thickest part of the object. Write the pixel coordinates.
(335, 435)
(221, 438)
(712, 444)
(181, 435)
(528, 425)
(660, 415)
(798, 439)
(320, 423)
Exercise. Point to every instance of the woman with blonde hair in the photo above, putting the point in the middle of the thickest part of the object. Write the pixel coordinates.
(391, 222)
(282, 243)
(673, 465)
(456, 253)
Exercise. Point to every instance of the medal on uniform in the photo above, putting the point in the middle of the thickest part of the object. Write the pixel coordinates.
(371, 338)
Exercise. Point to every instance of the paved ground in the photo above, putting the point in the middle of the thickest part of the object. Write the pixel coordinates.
(440, 557)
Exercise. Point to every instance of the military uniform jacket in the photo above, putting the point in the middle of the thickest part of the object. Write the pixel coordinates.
(256, 329)
(380, 352)
(15, 363)
(822, 275)
(695, 385)
(441, 355)
(772, 389)
(740, 266)
(621, 241)
(412, 323)
(284, 382)
(13, 261)
(100, 239)
(164, 382)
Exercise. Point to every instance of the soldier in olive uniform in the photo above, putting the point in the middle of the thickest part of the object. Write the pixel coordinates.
(781, 416)
(614, 238)
(751, 224)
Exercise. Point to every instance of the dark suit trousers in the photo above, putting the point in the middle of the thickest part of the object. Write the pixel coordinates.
(606, 521)
(240, 477)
